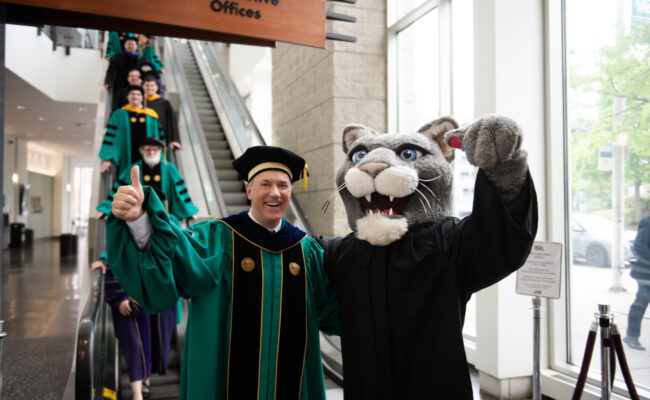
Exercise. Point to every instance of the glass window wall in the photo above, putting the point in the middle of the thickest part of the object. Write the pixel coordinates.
(608, 139)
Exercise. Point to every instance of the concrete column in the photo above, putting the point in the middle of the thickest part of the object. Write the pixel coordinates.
(316, 92)
(509, 80)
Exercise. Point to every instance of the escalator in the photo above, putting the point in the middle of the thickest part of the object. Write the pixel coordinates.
(215, 128)
(231, 187)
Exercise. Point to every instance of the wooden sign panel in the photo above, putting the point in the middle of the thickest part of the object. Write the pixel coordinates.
(292, 21)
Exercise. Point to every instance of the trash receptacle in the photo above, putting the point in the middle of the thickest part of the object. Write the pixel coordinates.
(29, 238)
(16, 234)
(68, 245)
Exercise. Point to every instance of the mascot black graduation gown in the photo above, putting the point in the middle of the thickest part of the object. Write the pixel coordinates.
(406, 273)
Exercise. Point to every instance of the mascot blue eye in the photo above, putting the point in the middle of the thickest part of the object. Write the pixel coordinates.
(358, 155)
(408, 154)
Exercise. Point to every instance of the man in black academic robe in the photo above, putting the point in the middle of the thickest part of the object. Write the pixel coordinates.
(162, 107)
(118, 69)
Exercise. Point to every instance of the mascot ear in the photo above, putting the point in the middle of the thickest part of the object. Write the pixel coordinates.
(436, 130)
(353, 132)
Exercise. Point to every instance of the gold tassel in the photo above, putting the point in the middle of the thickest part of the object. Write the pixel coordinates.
(304, 177)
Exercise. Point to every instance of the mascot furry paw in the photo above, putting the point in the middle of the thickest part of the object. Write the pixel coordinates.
(407, 271)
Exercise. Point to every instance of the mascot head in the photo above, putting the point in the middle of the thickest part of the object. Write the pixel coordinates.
(392, 182)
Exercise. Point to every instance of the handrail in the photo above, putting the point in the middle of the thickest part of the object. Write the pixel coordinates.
(210, 182)
(95, 325)
(174, 155)
(237, 123)
(87, 378)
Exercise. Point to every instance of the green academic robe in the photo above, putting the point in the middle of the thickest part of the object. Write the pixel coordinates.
(150, 55)
(114, 45)
(257, 302)
(167, 180)
(116, 146)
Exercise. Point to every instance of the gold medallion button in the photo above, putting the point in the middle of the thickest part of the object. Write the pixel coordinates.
(248, 264)
(133, 119)
(294, 268)
(156, 178)
(146, 178)
(142, 120)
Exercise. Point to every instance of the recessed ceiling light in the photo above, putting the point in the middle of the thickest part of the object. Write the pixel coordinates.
(59, 128)
(42, 119)
(83, 109)
(21, 107)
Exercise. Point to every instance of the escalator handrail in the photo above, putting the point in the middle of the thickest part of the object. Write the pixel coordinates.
(203, 50)
(188, 108)
(92, 314)
(175, 157)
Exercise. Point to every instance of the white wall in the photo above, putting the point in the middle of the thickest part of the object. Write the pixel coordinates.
(250, 69)
(30, 56)
(44, 161)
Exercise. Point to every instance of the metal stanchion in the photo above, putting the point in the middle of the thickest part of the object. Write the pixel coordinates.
(2, 335)
(611, 347)
(604, 320)
(537, 388)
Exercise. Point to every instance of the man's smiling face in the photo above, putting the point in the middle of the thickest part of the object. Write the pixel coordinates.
(269, 193)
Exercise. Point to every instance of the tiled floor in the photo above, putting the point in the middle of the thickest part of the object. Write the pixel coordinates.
(40, 300)
(335, 392)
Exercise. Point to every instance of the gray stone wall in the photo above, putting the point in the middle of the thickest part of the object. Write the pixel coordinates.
(317, 92)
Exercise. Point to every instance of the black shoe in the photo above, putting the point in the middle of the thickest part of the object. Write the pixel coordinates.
(633, 343)
(146, 394)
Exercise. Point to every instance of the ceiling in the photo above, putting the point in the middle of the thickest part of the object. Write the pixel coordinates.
(66, 128)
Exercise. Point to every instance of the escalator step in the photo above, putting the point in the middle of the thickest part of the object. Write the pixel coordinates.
(221, 154)
(231, 186)
(222, 164)
(212, 136)
(213, 127)
(200, 98)
(218, 144)
(227, 174)
(203, 104)
(206, 111)
(235, 199)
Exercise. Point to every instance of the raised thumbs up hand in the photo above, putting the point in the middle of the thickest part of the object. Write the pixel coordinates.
(127, 202)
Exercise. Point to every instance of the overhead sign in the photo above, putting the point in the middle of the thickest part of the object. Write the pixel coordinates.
(291, 21)
(540, 275)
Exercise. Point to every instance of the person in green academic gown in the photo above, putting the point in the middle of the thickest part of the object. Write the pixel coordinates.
(125, 131)
(162, 176)
(259, 294)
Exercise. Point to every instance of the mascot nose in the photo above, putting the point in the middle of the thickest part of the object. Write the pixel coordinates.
(373, 168)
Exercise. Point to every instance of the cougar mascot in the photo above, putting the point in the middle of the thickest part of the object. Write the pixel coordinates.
(407, 271)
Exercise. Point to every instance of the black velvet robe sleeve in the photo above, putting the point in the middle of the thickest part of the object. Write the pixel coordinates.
(492, 242)
(171, 124)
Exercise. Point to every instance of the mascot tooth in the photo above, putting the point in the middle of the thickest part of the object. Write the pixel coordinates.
(405, 274)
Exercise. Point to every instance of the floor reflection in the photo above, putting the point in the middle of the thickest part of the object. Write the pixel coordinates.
(40, 303)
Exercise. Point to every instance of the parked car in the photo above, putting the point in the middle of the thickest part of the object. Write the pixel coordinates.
(592, 237)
